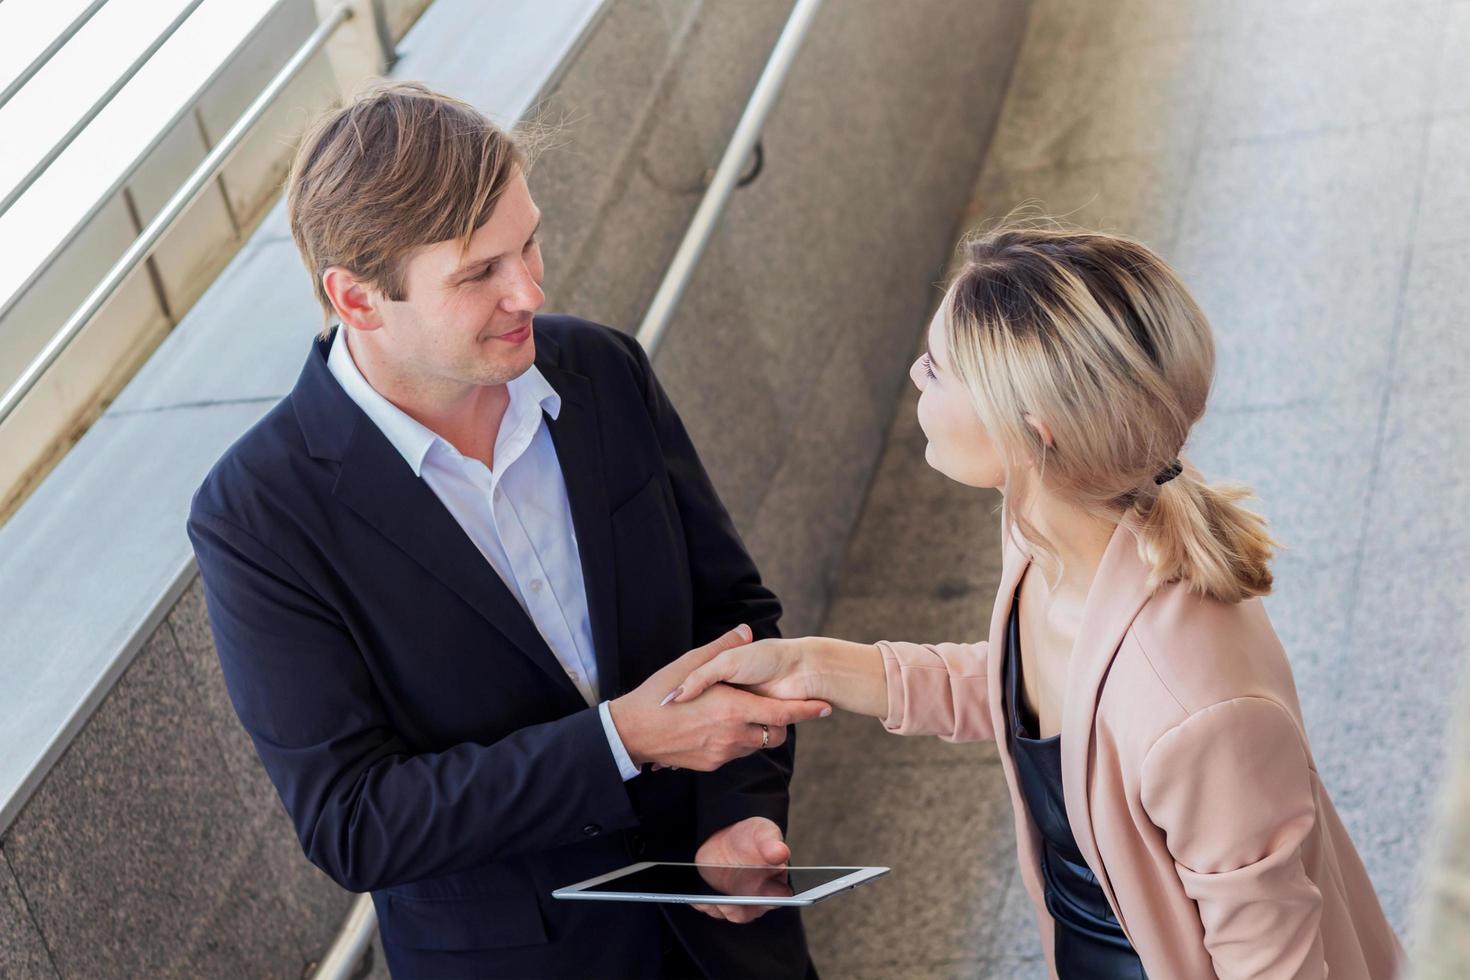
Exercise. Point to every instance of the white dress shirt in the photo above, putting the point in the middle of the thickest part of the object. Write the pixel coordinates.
(517, 514)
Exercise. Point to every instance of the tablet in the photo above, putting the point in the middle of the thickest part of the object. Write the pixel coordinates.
(723, 884)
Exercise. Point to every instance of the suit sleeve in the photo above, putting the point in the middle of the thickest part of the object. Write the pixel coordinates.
(938, 689)
(368, 810)
(727, 591)
(1232, 789)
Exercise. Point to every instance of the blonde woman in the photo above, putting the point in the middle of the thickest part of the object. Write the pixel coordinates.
(1170, 820)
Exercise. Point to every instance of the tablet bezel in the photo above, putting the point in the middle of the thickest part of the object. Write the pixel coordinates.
(811, 896)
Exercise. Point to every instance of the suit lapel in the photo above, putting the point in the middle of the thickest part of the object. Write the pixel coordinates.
(379, 486)
(377, 483)
(579, 452)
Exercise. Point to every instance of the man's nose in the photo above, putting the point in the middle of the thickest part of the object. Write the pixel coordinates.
(526, 294)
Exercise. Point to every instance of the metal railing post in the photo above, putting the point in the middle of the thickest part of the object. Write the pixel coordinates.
(56, 45)
(81, 124)
(143, 246)
(727, 175)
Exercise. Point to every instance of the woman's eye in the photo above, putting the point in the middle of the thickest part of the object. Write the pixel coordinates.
(489, 271)
(531, 244)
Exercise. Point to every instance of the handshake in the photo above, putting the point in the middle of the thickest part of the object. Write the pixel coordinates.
(733, 697)
(719, 702)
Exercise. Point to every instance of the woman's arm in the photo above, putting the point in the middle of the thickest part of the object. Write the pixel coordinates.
(1231, 787)
(851, 674)
(915, 688)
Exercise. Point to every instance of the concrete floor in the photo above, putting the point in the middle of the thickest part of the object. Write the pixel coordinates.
(1303, 165)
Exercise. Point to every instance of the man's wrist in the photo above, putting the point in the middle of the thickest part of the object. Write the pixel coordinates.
(627, 768)
(623, 720)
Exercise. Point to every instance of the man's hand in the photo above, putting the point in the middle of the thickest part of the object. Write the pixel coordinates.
(754, 841)
(726, 723)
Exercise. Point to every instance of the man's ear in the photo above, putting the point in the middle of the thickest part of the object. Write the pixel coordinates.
(1042, 429)
(355, 301)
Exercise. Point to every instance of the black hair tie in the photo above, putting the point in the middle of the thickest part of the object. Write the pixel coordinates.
(1168, 473)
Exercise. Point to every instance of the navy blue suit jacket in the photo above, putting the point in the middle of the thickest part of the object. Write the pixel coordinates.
(424, 740)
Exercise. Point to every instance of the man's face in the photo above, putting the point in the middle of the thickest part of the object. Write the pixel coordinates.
(467, 317)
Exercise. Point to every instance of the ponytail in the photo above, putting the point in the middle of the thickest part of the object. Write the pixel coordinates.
(1096, 336)
(1198, 533)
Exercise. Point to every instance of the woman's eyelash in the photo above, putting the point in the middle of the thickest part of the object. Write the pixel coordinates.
(929, 368)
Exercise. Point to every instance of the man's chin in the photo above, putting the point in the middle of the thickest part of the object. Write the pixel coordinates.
(505, 369)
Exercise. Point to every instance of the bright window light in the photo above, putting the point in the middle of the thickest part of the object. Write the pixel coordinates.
(75, 77)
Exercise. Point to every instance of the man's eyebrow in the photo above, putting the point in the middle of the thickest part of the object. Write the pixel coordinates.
(476, 265)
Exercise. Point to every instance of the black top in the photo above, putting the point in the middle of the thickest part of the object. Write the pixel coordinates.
(1088, 940)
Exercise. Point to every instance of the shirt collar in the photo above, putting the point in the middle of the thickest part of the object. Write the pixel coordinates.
(413, 440)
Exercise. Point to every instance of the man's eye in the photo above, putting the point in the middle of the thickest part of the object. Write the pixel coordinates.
(531, 244)
(489, 271)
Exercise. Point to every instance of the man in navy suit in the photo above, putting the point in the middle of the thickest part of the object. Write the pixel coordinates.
(453, 575)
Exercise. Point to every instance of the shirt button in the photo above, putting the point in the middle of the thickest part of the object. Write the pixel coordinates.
(591, 830)
(535, 585)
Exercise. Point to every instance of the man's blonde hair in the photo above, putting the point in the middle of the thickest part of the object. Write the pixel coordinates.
(398, 167)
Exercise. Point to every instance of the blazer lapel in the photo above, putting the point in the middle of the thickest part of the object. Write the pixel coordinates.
(1015, 560)
(1118, 592)
(379, 485)
(375, 482)
(578, 444)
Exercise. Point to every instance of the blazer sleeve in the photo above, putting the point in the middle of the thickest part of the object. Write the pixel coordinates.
(368, 810)
(938, 689)
(727, 591)
(1232, 788)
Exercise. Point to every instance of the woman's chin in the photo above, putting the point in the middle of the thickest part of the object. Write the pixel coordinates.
(969, 479)
(935, 465)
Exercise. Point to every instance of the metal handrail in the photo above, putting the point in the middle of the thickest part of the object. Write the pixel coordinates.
(123, 179)
(56, 45)
(81, 124)
(347, 949)
(727, 175)
(143, 246)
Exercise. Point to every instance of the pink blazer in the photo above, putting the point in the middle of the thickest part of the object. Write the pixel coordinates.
(1189, 783)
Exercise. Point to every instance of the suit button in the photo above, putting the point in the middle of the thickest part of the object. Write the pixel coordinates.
(636, 846)
(591, 830)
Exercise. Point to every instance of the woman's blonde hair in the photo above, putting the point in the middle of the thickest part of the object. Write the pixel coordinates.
(1095, 335)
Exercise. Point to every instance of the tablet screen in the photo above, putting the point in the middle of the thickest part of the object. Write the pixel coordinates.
(678, 879)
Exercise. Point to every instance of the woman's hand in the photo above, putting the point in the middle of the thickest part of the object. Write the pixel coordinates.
(771, 668)
(727, 724)
(812, 669)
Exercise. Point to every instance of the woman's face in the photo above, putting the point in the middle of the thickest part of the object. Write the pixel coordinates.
(959, 447)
